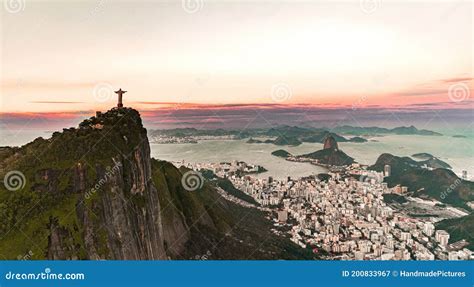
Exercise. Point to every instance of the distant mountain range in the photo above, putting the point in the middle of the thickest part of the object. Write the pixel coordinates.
(292, 131)
(293, 135)
(411, 130)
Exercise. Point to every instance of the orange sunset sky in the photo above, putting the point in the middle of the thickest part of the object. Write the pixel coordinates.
(56, 56)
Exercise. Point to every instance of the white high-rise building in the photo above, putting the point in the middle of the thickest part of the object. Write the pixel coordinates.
(442, 237)
(405, 236)
(387, 169)
(428, 229)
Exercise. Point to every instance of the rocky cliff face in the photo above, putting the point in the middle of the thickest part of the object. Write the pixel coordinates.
(330, 143)
(128, 206)
(123, 199)
(103, 204)
(93, 192)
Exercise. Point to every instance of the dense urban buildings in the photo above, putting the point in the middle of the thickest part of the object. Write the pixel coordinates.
(344, 217)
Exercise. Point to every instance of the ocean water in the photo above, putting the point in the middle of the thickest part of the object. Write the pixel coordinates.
(20, 137)
(458, 152)
(229, 150)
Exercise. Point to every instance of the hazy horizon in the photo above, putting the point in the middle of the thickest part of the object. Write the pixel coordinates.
(210, 64)
(21, 129)
(71, 56)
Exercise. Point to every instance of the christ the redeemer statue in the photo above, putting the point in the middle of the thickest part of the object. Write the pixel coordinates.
(120, 93)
